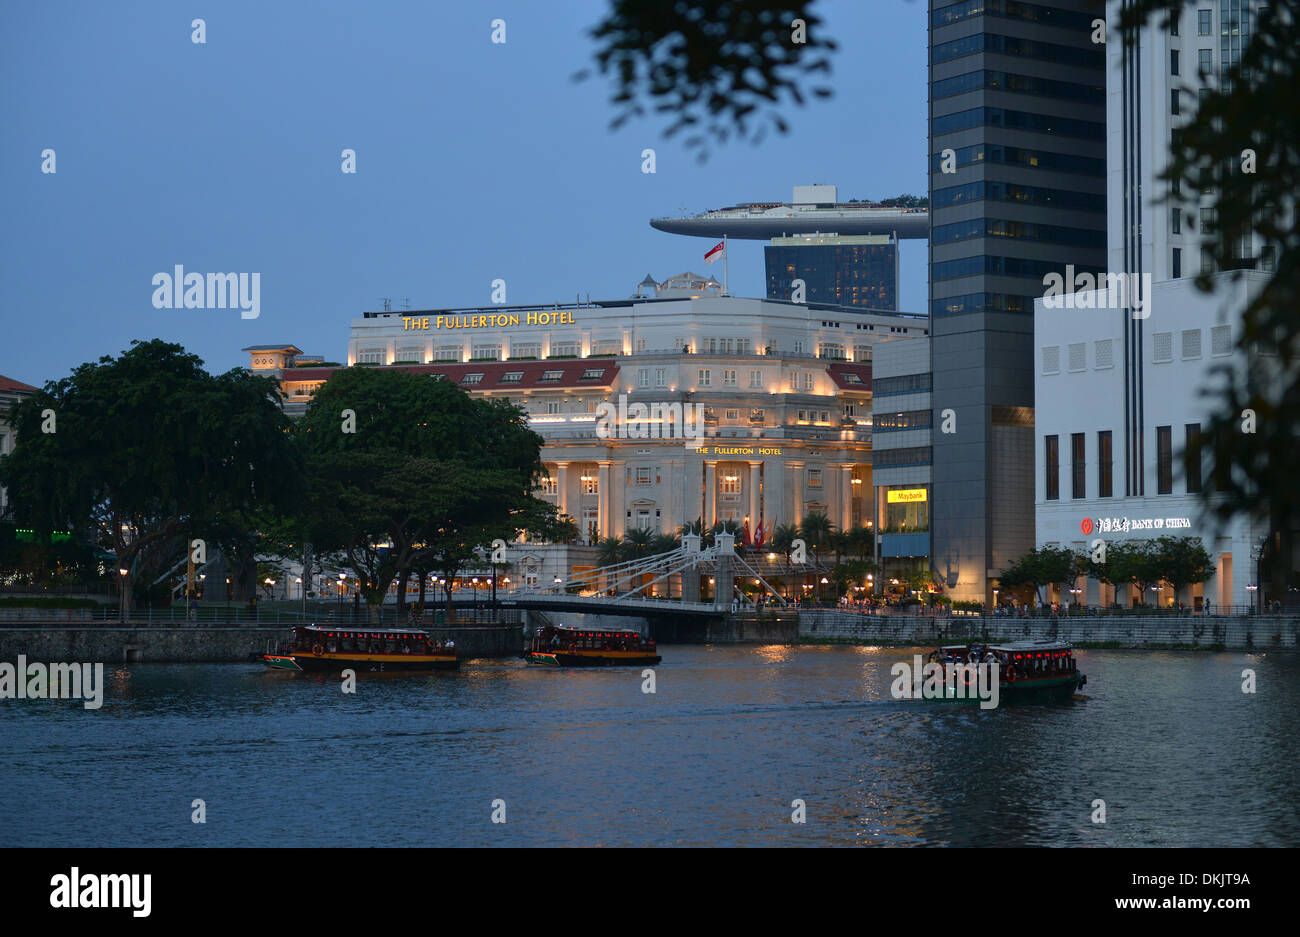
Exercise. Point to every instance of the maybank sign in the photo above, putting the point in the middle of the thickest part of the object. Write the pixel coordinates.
(496, 320)
(905, 495)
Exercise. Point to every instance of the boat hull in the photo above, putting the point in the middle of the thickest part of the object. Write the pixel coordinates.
(375, 663)
(592, 659)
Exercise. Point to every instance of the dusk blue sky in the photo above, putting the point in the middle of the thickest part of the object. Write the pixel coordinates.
(475, 161)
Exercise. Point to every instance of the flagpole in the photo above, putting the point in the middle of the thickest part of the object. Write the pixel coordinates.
(724, 265)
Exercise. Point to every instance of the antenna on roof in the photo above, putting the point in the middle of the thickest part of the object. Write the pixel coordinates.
(406, 303)
(388, 303)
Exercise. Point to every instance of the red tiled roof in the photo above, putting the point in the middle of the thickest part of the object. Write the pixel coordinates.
(8, 383)
(862, 372)
(530, 373)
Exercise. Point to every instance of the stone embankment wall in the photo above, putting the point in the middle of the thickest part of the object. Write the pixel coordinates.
(55, 642)
(1257, 632)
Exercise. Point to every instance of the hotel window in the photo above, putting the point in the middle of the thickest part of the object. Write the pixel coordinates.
(1191, 344)
(550, 377)
(640, 344)
(592, 374)
(706, 377)
(1178, 263)
(731, 483)
(1176, 220)
(1164, 460)
(757, 416)
(1192, 457)
(1078, 467)
(550, 485)
(411, 353)
(525, 350)
(472, 378)
(1162, 347)
(1173, 102)
(742, 346)
(1203, 22)
(756, 379)
(643, 475)
(798, 348)
(1052, 466)
(1221, 340)
(591, 484)
(446, 353)
(552, 406)
(802, 416)
(832, 350)
(861, 353)
(794, 380)
(643, 377)
(814, 478)
(564, 350)
(729, 378)
(370, 356)
(660, 377)
(808, 380)
(511, 377)
(1104, 465)
(608, 348)
(731, 414)
(485, 352)
(1103, 354)
(1173, 61)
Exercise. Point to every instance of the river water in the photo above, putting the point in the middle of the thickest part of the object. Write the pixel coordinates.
(716, 756)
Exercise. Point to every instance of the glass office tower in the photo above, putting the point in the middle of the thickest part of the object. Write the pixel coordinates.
(848, 270)
(1017, 191)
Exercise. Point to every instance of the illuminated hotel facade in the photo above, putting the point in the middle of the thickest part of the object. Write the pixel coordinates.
(781, 391)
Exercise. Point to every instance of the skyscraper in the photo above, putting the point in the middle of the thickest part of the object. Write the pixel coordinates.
(845, 270)
(1017, 191)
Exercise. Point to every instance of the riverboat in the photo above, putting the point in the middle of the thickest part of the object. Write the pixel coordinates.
(1028, 671)
(562, 646)
(319, 648)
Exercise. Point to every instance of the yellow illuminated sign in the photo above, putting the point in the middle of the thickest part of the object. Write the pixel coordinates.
(493, 321)
(905, 495)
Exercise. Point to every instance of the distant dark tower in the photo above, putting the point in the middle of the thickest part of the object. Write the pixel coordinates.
(1018, 95)
(848, 270)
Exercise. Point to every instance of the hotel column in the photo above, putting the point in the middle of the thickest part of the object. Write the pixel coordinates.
(603, 500)
(846, 497)
(794, 482)
(773, 492)
(710, 491)
(562, 487)
(753, 496)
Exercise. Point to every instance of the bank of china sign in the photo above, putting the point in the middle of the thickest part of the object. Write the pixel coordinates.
(1124, 525)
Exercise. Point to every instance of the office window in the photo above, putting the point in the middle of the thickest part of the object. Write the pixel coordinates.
(643, 475)
(1192, 457)
(1205, 61)
(660, 377)
(1164, 460)
(1178, 263)
(1052, 466)
(1104, 465)
(755, 378)
(1173, 61)
(1203, 23)
(729, 378)
(1078, 483)
(1176, 221)
(706, 377)
(814, 478)
(446, 353)
(1191, 343)
(485, 352)
(1173, 102)
(731, 414)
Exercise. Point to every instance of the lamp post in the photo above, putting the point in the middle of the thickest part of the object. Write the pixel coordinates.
(121, 589)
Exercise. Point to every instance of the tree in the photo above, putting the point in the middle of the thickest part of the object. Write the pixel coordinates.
(817, 531)
(1040, 567)
(1182, 562)
(719, 61)
(146, 449)
(1134, 562)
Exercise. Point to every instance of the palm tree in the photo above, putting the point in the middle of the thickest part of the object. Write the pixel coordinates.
(817, 530)
(609, 551)
(637, 543)
(664, 543)
(783, 537)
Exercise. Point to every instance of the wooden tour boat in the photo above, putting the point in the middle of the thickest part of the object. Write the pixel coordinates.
(318, 648)
(562, 646)
(1028, 671)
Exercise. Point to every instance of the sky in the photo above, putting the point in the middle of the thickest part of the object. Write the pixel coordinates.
(475, 161)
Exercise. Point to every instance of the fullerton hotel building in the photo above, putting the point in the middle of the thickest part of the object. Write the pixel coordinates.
(780, 393)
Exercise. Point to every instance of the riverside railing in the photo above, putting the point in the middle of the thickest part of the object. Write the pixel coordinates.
(263, 618)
